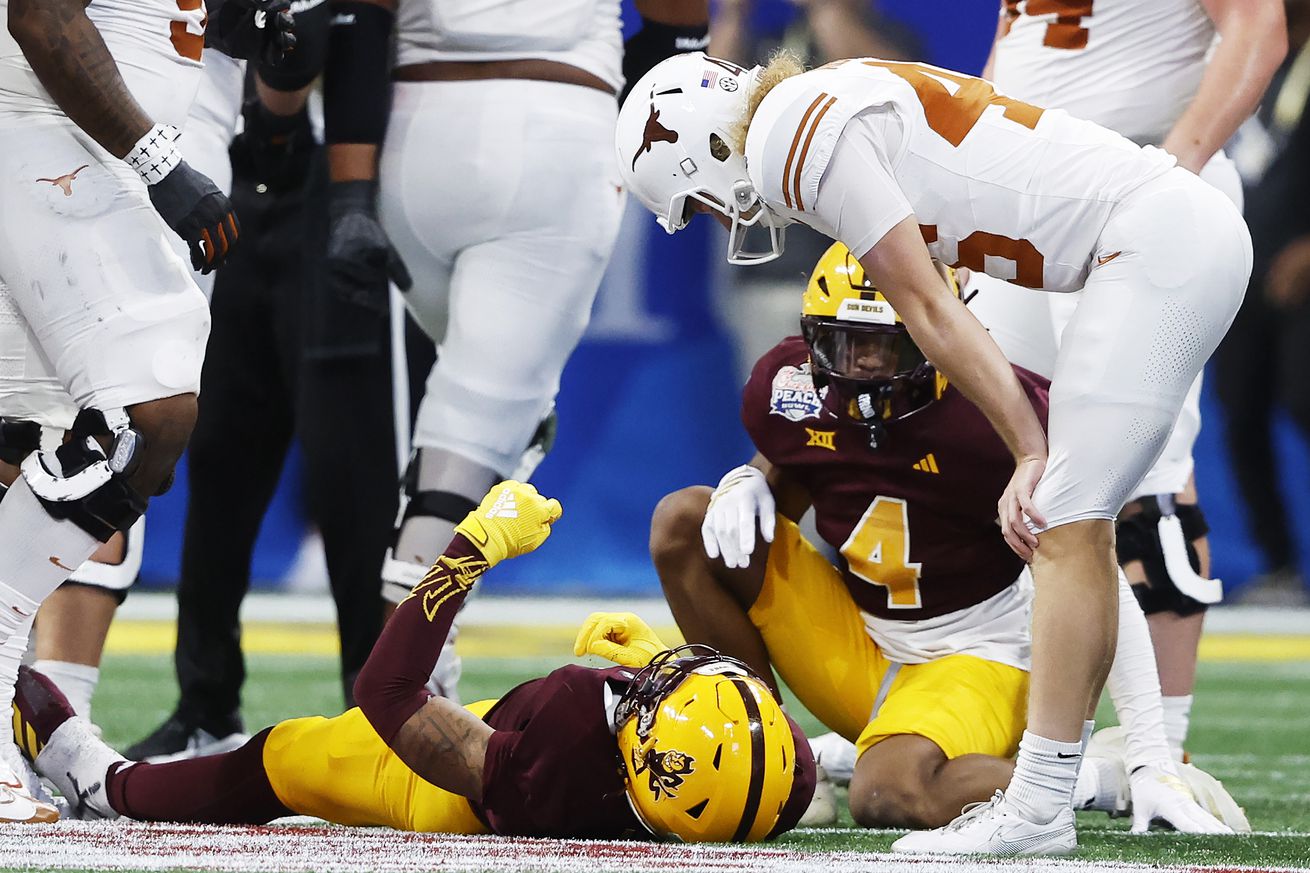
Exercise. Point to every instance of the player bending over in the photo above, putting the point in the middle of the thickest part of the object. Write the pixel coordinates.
(905, 162)
(692, 746)
(916, 645)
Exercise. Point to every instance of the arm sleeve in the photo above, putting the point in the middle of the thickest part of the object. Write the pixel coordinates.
(859, 198)
(392, 685)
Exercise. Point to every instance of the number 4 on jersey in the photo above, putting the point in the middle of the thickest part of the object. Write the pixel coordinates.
(878, 551)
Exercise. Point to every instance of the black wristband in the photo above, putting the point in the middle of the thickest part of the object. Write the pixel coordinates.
(356, 82)
(656, 42)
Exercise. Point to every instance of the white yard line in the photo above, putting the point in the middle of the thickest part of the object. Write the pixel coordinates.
(120, 846)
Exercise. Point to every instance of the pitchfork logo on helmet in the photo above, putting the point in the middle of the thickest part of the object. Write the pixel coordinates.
(674, 144)
(665, 769)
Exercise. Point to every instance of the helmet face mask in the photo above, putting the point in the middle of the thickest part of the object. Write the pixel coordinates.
(705, 747)
(672, 142)
(860, 350)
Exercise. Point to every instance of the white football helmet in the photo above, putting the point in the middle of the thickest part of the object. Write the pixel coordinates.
(673, 143)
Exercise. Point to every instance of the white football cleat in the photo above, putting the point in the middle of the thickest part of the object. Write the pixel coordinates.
(77, 761)
(822, 811)
(836, 755)
(1213, 797)
(23, 799)
(994, 828)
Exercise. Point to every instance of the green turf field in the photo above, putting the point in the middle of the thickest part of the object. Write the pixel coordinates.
(1251, 728)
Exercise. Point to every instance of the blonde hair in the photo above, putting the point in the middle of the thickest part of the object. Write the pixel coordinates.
(783, 64)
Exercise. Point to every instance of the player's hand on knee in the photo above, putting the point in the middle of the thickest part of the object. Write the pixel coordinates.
(512, 520)
(201, 214)
(360, 258)
(621, 637)
(741, 500)
(1160, 795)
(1015, 508)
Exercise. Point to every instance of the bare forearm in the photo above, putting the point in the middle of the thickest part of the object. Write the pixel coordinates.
(952, 338)
(677, 12)
(963, 350)
(352, 162)
(72, 61)
(1253, 45)
(841, 31)
(446, 745)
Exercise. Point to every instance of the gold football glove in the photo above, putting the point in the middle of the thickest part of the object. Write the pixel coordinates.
(620, 637)
(512, 520)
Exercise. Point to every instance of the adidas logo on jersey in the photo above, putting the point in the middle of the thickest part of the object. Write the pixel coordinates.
(927, 464)
(504, 507)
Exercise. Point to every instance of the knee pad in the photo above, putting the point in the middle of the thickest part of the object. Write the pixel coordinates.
(1162, 536)
(79, 482)
(115, 579)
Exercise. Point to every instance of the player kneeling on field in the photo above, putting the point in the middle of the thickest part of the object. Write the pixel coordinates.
(683, 743)
(916, 645)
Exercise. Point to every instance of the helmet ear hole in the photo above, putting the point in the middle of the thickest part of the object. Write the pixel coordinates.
(719, 149)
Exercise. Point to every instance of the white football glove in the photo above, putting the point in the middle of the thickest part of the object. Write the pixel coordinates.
(1159, 794)
(741, 498)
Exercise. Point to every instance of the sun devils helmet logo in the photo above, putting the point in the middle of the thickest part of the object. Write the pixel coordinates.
(666, 770)
(653, 133)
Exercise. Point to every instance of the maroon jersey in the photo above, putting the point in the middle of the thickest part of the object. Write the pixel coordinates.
(553, 768)
(915, 517)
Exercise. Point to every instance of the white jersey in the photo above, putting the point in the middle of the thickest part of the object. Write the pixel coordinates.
(157, 45)
(1129, 65)
(999, 186)
(587, 34)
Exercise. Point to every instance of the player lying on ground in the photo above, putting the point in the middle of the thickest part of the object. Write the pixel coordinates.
(905, 162)
(916, 646)
(694, 746)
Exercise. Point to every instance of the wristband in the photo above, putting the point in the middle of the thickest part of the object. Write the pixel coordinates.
(156, 154)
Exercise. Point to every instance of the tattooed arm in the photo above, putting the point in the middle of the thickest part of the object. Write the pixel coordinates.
(439, 740)
(447, 745)
(72, 61)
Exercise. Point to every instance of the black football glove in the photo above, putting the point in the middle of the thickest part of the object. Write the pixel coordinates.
(253, 30)
(656, 42)
(274, 150)
(360, 258)
(200, 213)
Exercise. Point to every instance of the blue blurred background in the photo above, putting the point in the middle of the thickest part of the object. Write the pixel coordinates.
(649, 401)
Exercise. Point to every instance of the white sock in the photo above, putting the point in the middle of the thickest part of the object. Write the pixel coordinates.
(1134, 685)
(1089, 727)
(77, 681)
(1045, 774)
(14, 629)
(1177, 719)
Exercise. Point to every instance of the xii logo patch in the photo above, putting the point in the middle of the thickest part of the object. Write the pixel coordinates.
(822, 439)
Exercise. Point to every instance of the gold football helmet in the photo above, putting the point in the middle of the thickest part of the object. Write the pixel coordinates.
(708, 753)
(860, 350)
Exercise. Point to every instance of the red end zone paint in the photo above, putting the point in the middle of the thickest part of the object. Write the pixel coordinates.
(130, 846)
